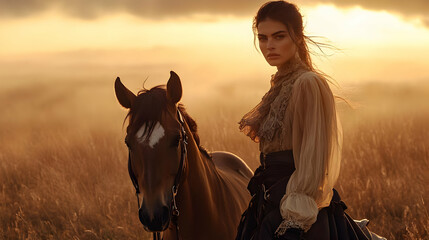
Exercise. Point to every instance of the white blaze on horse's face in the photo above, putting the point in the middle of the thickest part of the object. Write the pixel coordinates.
(157, 133)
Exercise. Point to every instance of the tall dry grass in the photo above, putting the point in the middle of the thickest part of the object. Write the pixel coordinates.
(63, 166)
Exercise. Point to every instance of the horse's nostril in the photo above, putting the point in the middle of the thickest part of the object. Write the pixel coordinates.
(165, 214)
(144, 217)
(159, 222)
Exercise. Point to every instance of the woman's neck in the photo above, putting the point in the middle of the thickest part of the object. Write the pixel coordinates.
(289, 65)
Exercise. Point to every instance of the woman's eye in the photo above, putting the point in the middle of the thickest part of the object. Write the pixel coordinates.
(279, 37)
(261, 39)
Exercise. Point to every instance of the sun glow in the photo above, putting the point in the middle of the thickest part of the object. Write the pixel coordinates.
(222, 46)
(52, 32)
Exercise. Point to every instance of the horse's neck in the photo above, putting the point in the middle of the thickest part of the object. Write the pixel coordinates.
(196, 199)
(201, 178)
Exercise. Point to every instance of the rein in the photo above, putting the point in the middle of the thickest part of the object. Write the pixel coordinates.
(175, 211)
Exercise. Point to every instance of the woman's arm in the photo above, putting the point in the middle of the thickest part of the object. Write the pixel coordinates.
(316, 145)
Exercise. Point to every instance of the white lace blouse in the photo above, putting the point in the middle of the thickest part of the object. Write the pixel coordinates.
(311, 129)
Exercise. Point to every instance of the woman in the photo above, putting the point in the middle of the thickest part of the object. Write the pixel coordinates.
(300, 141)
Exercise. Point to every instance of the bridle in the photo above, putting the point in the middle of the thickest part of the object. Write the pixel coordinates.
(174, 189)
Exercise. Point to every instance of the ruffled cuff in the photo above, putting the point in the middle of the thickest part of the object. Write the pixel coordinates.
(298, 211)
(287, 224)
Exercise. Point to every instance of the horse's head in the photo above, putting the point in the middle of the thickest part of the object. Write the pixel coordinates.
(155, 141)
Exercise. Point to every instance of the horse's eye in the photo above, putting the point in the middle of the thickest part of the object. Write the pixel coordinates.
(127, 143)
(176, 141)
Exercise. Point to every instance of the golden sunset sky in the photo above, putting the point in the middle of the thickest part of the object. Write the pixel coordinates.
(208, 43)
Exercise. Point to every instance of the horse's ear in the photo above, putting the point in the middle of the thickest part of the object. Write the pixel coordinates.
(124, 96)
(174, 88)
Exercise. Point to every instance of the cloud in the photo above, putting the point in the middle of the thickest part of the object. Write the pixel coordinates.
(145, 8)
(406, 8)
(156, 9)
(19, 8)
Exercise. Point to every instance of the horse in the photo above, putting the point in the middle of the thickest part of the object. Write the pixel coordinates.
(175, 174)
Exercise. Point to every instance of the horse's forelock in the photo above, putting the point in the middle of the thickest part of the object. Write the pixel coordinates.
(147, 109)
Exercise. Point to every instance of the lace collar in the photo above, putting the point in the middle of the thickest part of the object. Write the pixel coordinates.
(266, 118)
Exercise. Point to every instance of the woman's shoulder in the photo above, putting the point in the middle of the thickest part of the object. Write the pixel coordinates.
(311, 82)
(309, 78)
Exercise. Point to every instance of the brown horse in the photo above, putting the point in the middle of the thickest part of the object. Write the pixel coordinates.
(165, 152)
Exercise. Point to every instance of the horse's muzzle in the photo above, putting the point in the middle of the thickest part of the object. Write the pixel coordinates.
(159, 222)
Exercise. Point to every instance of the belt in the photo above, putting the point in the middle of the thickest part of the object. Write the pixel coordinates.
(277, 158)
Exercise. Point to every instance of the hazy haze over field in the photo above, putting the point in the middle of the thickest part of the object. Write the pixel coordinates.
(202, 42)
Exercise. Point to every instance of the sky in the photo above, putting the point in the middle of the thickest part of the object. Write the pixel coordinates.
(205, 42)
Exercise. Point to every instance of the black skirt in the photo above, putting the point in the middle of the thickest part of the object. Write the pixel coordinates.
(262, 217)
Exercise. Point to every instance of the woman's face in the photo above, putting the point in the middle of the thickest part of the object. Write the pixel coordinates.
(275, 42)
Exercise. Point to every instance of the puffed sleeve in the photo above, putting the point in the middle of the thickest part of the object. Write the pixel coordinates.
(316, 145)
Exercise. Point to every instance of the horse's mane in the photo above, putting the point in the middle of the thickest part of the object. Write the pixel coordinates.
(194, 129)
(148, 108)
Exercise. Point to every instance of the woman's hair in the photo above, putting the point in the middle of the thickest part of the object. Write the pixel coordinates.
(288, 14)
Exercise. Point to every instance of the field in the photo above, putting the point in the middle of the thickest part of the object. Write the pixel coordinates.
(63, 163)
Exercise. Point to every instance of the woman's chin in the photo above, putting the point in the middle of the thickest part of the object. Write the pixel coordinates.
(274, 63)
